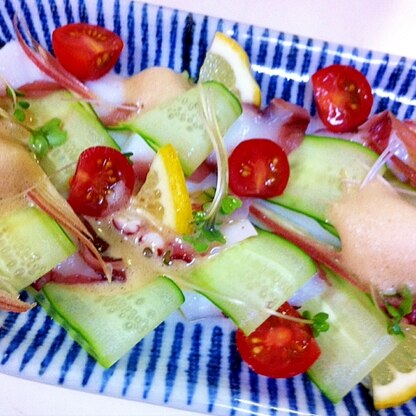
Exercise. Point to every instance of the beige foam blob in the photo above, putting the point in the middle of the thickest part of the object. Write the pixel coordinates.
(19, 169)
(378, 234)
(154, 86)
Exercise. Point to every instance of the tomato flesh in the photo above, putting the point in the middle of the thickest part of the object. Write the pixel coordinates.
(86, 51)
(258, 168)
(279, 348)
(343, 97)
(103, 182)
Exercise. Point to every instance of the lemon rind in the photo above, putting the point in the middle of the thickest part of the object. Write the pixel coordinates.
(229, 50)
(399, 391)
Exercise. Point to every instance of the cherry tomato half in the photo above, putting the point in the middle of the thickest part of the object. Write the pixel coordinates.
(279, 348)
(258, 168)
(103, 182)
(343, 97)
(86, 51)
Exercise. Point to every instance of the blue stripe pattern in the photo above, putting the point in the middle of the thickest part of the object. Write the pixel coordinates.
(117, 29)
(151, 368)
(19, 337)
(36, 343)
(68, 12)
(276, 63)
(69, 360)
(273, 395)
(254, 392)
(107, 375)
(234, 370)
(131, 369)
(159, 37)
(291, 394)
(54, 348)
(173, 361)
(193, 359)
(195, 366)
(145, 40)
(214, 366)
(88, 370)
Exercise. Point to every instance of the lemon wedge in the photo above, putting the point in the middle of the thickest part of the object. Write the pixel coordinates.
(394, 379)
(164, 196)
(228, 63)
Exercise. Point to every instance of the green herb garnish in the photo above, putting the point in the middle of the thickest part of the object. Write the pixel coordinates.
(319, 322)
(19, 115)
(47, 137)
(229, 204)
(397, 313)
(42, 139)
(23, 104)
(205, 233)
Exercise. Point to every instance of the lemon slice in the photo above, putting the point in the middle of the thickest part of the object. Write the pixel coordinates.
(394, 379)
(227, 62)
(164, 196)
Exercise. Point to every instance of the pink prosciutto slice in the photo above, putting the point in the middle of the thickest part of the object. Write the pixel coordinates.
(320, 252)
(384, 131)
(81, 269)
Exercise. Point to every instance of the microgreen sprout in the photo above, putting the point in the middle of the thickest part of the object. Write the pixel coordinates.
(229, 204)
(19, 115)
(47, 137)
(205, 233)
(319, 322)
(42, 139)
(398, 311)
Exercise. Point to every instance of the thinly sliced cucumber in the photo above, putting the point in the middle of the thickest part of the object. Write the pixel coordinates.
(106, 324)
(319, 170)
(82, 126)
(31, 244)
(253, 277)
(356, 341)
(180, 123)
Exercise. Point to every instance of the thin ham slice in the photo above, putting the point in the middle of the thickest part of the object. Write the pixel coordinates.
(81, 269)
(384, 131)
(39, 89)
(322, 253)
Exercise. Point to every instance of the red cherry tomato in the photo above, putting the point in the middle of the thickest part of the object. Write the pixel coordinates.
(103, 182)
(86, 51)
(279, 348)
(258, 168)
(343, 97)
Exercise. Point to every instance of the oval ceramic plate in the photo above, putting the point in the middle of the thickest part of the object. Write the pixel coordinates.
(191, 365)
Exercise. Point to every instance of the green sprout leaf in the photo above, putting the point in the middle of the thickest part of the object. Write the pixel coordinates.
(19, 115)
(23, 104)
(319, 322)
(47, 137)
(54, 133)
(213, 235)
(205, 233)
(230, 204)
(398, 312)
(38, 145)
(42, 139)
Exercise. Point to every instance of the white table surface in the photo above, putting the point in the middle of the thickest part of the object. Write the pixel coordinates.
(383, 25)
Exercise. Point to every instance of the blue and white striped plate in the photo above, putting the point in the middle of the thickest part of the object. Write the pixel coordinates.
(191, 366)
